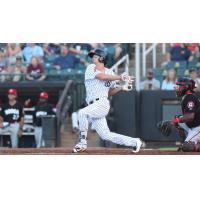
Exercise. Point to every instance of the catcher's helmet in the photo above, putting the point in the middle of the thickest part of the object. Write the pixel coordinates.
(100, 53)
(184, 85)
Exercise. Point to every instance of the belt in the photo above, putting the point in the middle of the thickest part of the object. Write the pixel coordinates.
(13, 122)
(91, 102)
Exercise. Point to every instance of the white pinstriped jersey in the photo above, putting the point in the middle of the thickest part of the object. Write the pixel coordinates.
(96, 88)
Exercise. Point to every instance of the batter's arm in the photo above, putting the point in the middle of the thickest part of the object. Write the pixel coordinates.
(108, 77)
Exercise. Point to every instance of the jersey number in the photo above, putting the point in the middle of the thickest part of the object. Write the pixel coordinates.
(107, 83)
(15, 117)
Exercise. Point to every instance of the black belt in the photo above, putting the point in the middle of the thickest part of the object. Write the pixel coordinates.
(91, 102)
(13, 122)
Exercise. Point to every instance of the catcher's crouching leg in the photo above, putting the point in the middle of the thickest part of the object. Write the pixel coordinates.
(190, 147)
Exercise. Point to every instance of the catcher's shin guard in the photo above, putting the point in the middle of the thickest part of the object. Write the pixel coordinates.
(190, 147)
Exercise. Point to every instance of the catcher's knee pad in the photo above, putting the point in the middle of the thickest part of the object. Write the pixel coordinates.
(190, 147)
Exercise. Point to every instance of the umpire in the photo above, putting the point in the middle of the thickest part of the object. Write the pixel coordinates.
(43, 108)
(12, 118)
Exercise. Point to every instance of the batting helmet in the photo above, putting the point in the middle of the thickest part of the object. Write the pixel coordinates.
(184, 85)
(44, 95)
(100, 53)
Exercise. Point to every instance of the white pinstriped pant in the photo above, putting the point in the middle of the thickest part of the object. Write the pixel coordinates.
(97, 113)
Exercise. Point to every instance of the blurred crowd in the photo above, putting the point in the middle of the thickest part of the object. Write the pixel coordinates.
(182, 59)
(31, 61)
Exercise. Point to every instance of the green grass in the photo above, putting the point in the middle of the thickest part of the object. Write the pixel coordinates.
(168, 148)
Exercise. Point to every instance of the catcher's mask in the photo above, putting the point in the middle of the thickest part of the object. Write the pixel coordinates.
(183, 85)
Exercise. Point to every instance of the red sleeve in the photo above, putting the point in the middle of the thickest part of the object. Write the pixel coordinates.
(41, 69)
(29, 69)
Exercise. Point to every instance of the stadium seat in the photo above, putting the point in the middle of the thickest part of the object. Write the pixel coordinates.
(67, 74)
(176, 64)
(79, 75)
(53, 75)
(159, 78)
(180, 72)
(186, 73)
(193, 64)
(158, 71)
(80, 66)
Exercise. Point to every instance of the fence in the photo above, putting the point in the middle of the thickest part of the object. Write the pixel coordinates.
(136, 114)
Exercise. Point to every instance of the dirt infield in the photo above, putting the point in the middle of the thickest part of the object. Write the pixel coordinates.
(90, 151)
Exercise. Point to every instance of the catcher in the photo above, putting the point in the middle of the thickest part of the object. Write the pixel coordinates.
(188, 124)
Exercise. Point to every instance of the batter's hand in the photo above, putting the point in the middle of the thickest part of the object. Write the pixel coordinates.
(125, 77)
(20, 133)
(127, 87)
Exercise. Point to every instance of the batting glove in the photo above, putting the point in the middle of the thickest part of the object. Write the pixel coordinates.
(125, 77)
(127, 87)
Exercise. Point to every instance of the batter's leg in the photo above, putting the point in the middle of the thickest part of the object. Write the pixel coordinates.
(96, 110)
(13, 129)
(75, 120)
(105, 134)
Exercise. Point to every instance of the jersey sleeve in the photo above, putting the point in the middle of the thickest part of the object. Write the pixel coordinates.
(90, 72)
(190, 104)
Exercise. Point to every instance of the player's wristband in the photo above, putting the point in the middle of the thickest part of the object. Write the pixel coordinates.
(176, 120)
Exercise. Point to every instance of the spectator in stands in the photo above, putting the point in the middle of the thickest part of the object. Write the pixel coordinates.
(80, 48)
(65, 60)
(114, 49)
(33, 50)
(18, 69)
(150, 83)
(3, 66)
(35, 71)
(50, 49)
(179, 52)
(170, 81)
(194, 76)
(46, 49)
(194, 49)
(13, 50)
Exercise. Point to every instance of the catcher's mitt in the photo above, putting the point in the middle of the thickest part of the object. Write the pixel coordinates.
(165, 127)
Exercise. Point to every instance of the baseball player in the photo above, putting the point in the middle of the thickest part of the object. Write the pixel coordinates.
(190, 120)
(12, 118)
(43, 108)
(100, 82)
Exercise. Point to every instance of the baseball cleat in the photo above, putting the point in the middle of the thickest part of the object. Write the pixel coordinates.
(136, 148)
(80, 147)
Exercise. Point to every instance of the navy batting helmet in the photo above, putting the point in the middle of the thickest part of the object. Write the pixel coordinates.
(100, 53)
